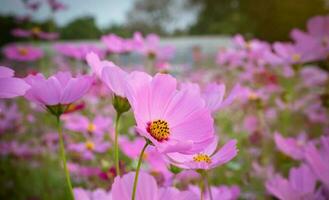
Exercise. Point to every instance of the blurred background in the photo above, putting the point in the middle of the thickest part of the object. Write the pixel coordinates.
(269, 20)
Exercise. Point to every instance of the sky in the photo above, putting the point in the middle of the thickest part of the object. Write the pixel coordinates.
(106, 12)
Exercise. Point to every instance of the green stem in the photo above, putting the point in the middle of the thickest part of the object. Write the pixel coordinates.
(116, 146)
(137, 170)
(202, 190)
(206, 179)
(62, 152)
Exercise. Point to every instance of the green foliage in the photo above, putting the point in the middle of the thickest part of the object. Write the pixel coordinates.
(20, 180)
(81, 28)
(269, 20)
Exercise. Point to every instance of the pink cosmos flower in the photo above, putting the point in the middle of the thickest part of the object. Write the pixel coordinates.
(116, 79)
(82, 171)
(56, 5)
(9, 86)
(116, 44)
(88, 148)
(78, 51)
(79, 123)
(174, 120)
(187, 176)
(291, 54)
(208, 158)
(318, 159)
(213, 94)
(251, 123)
(98, 194)
(19, 149)
(22, 52)
(316, 39)
(152, 157)
(10, 117)
(151, 47)
(33, 5)
(222, 192)
(316, 113)
(290, 146)
(314, 76)
(147, 189)
(113, 76)
(300, 185)
(35, 32)
(59, 89)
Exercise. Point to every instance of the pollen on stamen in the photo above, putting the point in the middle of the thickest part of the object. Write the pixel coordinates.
(91, 127)
(23, 51)
(90, 145)
(202, 158)
(159, 130)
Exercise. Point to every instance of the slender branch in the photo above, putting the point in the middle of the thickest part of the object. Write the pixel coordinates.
(62, 152)
(116, 145)
(138, 169)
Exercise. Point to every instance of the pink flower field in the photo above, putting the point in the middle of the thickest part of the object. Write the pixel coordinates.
(140, 118)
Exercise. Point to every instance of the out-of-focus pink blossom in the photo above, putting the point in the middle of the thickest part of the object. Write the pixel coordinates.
(98, 194)
(78, 51)
(313, 76)
(22, 53)
(10, 86)
(35, 32)
(79, 123)
(222, 192)
(299, 185)
(318, 159)
(293, 147)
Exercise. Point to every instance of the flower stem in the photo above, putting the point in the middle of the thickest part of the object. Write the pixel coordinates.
(206, 179)
(137, 170)
(116, 146)
(62, 152)
(202, 190)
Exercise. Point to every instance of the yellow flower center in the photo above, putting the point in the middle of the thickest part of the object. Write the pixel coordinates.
(23, 51)
(90, 145)
(296, 57)
(91, 127)
(159, 130)
(202, 158)
(35, 30)
(253, 96)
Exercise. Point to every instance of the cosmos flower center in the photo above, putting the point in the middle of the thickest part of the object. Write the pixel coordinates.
(35, 30)
(159, 130)
(253, 96)
(296, 57)
(23, 51)
(91, 127)
(90, 145)
(202, 158)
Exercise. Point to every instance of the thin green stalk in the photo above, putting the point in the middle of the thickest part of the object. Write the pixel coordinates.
(202, 189)
(116, 146)
(62, 152)
(206, 179)
(137, 170)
